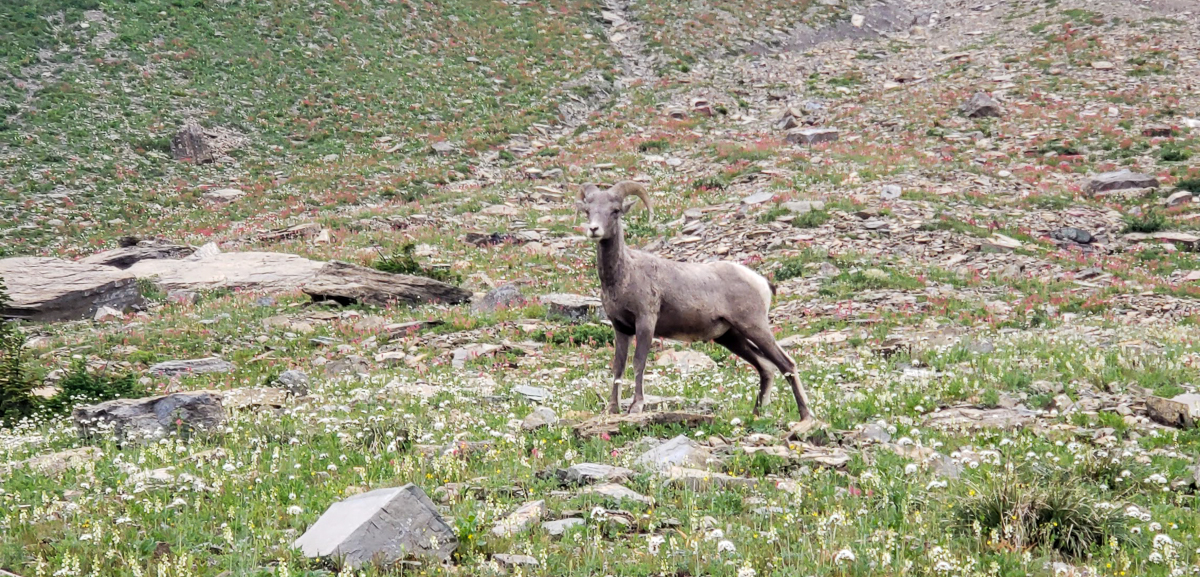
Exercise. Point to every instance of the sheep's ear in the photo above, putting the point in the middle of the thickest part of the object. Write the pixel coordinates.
(628, 203)
(585, 189)
(580, 206)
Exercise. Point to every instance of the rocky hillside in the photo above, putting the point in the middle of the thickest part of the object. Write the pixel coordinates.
(335, 243)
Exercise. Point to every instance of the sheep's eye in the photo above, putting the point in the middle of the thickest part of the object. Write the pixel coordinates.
(616, 211)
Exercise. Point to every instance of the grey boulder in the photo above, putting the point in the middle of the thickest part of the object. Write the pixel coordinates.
(384, 525)
(51, 289)
(152, 418)
(191, 367)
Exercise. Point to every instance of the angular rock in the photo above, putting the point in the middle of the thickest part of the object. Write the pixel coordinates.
(803, 206)
(385, 525)
(610, 424)
(223, 195)
(571, 308)
(296, 382)
(535, 394)
(812, 135)
(152, 418)
(976, 418)
(519, 520)
(981, 105)
(586, 473)
(1000, 243)
(509, 561)
(505, 297)
(1120, 180)
(540, 417)
(57, 463)
(890, 192)
(1178, 198)
(679, 451)
(191, 144)
(106, 313)
(940, 464)
(51, 289)
(350, 283)
(126, 256)
(561, 526)
(758, 197)
(1070, 233)
(190, 367)
(443, 148)
(686, 361)
(616, 492)
(1182, 411)
(255, 397)
(233, 270)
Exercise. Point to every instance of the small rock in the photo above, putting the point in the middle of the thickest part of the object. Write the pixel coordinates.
(890, 192)
(616, 492)
(1178, 198)
(812, 135)
(223, 195)
(504, 297)
(1159, 131)
(572, 308)
(105, 313)
(540, 417)
(519, 520)
(803, 206)
(509, 561)
(384, 525)
(1102, 65)
(679, 451)
(857, 20)
(190, 367)
(981, 105)
(535, 394)
(758, 197)
(975, 418)
(686, 361)
(700, 480)
(1070, 233)
(561, 526)
(585, 473)
(1000, 243)
(1182, 411)
(296, 382)
(1120, 180)
(57, 463)
(443, 148)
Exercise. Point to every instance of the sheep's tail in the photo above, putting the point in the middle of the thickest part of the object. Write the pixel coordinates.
(771, 285)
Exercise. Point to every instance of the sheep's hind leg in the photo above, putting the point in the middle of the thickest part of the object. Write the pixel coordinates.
(765, 341)
(621, 340)
(745, 349)
(641, 350)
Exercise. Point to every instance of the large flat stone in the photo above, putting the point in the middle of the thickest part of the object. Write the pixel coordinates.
(351, 283)
(384, 525)
(679, 451)
(51, 289)
(190, 367)
(126, 256)
(1120, 180)
(152, 418)
(1181, 411)
(270, 271)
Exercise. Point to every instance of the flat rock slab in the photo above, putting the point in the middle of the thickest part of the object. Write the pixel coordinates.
(385, 525)
(152, 418)
(350, 283)
(51, 289)
(540, 417)
(680, 451)
(1182, 411)
(585, 473)
(812, 135)
(190, 367)
(56, 463)
(561, 526)
(1120, 180)
(520, 520)
(611, 424)
(270, 271)
(255, 397)
(977, 418)
(501, 298)
(686, 361)
(127, 256)
(572, 308)
(616, 492)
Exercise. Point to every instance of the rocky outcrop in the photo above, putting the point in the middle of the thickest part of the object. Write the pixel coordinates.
(50, 289)
(152, 418)
(349, 283)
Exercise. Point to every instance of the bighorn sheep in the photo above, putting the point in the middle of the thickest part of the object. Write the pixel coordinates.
(648, 296)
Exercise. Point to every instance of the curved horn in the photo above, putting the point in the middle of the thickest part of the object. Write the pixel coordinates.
(628, 187)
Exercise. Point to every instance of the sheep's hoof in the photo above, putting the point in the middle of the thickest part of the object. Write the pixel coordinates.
(613, 408)
(636, 407)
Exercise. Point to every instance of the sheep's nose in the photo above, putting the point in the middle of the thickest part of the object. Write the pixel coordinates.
(593, 229)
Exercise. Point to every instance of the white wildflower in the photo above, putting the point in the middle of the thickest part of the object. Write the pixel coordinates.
(726, 546)
(844, 555)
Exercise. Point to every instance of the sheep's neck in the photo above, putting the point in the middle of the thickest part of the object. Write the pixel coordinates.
(612, 259)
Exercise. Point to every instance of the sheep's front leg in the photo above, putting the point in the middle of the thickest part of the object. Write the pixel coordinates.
(644, 330)
(621, 340)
